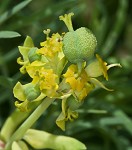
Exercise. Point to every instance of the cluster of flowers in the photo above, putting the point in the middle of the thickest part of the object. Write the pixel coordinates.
(53, 76)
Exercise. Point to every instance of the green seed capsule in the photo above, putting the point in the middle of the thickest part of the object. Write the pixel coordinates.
(79, 45)
(31, 92)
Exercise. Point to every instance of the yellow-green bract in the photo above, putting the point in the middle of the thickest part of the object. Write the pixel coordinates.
(79, 45)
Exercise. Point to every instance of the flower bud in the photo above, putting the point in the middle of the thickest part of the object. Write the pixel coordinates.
(79, 45)
(31, 92)
(33, 55)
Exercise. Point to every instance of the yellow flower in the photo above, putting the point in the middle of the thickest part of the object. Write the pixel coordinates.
(33, 70)
(78, 82)
(51, 46)
(45, 78)
(52, 54)
(71, 75)
(85, 91)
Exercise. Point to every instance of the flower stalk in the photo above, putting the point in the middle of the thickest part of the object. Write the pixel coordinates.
(19, 133)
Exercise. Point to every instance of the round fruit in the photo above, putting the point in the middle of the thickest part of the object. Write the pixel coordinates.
(79, 45)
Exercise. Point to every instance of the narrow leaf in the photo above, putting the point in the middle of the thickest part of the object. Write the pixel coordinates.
(13, 11)
(9, 34)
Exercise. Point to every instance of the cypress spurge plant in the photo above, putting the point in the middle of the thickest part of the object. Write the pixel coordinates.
(53, 80)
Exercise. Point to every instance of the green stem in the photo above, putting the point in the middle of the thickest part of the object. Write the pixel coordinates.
(19, 133)
(12, 123)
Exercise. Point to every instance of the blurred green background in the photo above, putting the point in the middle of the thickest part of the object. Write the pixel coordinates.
(105, 118)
